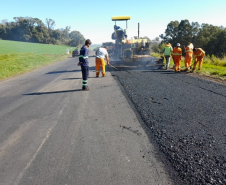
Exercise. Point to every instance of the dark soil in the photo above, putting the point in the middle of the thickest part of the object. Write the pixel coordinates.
(211, 78)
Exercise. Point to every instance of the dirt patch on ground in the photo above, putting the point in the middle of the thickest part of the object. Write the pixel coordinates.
(210, 78)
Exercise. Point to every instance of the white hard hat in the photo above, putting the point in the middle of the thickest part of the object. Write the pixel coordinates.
(178, 44)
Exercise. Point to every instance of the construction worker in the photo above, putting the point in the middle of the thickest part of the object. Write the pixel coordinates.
(84, 63)
(177, 56)
(188, 57)
(199, 55)
(167, 53)
(117, 27)
(101, 53)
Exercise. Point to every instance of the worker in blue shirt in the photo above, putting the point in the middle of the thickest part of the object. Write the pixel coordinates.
(117, 27)
(84, 63)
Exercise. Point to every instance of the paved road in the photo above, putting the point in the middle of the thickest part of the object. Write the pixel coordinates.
(186, 116)
(53, 133)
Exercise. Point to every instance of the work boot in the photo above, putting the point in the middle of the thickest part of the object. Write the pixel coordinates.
(97, 76)
(85, 88)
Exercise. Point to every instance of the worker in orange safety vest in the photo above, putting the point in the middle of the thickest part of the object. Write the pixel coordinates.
(188, 57)
(199, 55)
(177, 56)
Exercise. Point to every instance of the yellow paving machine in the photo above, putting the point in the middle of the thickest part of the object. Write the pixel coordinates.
(134, 50)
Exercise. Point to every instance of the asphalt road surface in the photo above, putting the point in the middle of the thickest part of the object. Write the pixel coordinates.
(52, 133)
(186, 117)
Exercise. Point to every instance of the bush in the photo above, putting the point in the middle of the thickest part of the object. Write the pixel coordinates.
(157, 55)
(215, 61)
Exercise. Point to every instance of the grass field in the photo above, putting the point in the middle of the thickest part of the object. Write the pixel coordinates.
(20, 57)
(25, 47)
(212, 66)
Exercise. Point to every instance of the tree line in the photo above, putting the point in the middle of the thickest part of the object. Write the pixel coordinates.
(28, 29)
(212, 39)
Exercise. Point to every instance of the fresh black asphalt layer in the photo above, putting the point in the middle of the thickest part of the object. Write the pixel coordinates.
(185, 115)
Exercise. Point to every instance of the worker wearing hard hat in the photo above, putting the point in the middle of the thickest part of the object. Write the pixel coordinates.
(101, 53)
(199, 55)
(177, 56)
(167, 53)
(188, 57)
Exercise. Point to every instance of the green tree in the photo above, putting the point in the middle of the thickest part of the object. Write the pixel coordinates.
(206, 34)
(184, 34)
(171, 32)
(154, 45)
(30, 29)
(50, 23)
(210, 38)
(76, 39)
(217, 45)
(2, 31)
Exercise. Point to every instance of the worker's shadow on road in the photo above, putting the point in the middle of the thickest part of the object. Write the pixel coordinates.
(75, 78)
(69, 71)
(66, 71)
(53, 92)
(71, 78)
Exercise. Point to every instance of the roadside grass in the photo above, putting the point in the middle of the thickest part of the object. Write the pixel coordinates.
(213, 70)
(26, 47)
(157, 55)
(20, 57)
(212, 66)
(13, 64)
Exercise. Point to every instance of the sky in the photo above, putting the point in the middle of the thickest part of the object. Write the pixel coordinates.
(92, 18)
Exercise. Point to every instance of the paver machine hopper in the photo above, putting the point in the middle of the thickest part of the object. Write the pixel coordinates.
(134, 50)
